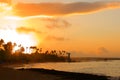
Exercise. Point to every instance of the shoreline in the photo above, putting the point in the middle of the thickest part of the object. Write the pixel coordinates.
(13, 74)
(50, 73)
(67, 75)
(45, 74)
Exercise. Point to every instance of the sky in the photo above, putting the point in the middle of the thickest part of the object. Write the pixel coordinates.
(86, 28)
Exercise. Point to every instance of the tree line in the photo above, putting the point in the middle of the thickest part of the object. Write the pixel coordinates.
(8, 55)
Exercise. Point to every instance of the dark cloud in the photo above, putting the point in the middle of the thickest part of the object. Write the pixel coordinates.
(27, 30)
(55, 9)
(56, 38)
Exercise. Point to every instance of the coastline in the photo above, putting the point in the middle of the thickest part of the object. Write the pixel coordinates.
(45, 74)
(67, 75)
(12, 74)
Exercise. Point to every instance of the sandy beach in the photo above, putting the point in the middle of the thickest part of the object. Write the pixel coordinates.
(11, 74)
(43, 74)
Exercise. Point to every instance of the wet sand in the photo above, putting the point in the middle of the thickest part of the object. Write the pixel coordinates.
(44, 74)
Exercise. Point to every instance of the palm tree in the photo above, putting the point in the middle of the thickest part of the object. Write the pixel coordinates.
(55, 52)
(64, 52)
(46, 52)
(8, 47)
(60, 53)
(1, 42)
(40, 50)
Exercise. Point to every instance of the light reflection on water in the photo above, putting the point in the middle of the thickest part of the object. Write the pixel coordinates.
(109, 68)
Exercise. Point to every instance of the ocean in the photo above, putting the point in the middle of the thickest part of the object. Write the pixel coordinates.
(108, 68)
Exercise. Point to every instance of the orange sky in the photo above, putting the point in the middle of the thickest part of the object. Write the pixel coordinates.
(83, 28)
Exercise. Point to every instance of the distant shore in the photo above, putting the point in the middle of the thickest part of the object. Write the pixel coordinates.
(45, 74)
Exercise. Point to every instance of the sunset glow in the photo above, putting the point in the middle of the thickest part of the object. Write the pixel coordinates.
(79, 39)
(79, 26)
(9, 32)
(23, 39)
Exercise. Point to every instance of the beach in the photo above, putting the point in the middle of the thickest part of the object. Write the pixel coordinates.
(11, 74)
(44, 74)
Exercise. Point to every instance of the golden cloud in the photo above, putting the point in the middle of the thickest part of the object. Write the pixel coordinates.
(27, 30)
(57, 9)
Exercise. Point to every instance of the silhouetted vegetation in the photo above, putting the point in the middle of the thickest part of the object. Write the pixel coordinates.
(20, 55)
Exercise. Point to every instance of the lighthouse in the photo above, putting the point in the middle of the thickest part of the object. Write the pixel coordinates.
(68, 58)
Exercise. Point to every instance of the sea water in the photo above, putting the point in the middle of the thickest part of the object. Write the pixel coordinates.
(107, 68)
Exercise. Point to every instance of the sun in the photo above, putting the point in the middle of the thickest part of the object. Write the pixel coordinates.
(8, 28)
(23, 39)
(8, 31)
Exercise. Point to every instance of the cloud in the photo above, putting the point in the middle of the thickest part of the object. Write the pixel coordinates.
(52, 23)
(103, 50)
(57, 9)
(27, 30)
(56, 38)
(6, 1)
